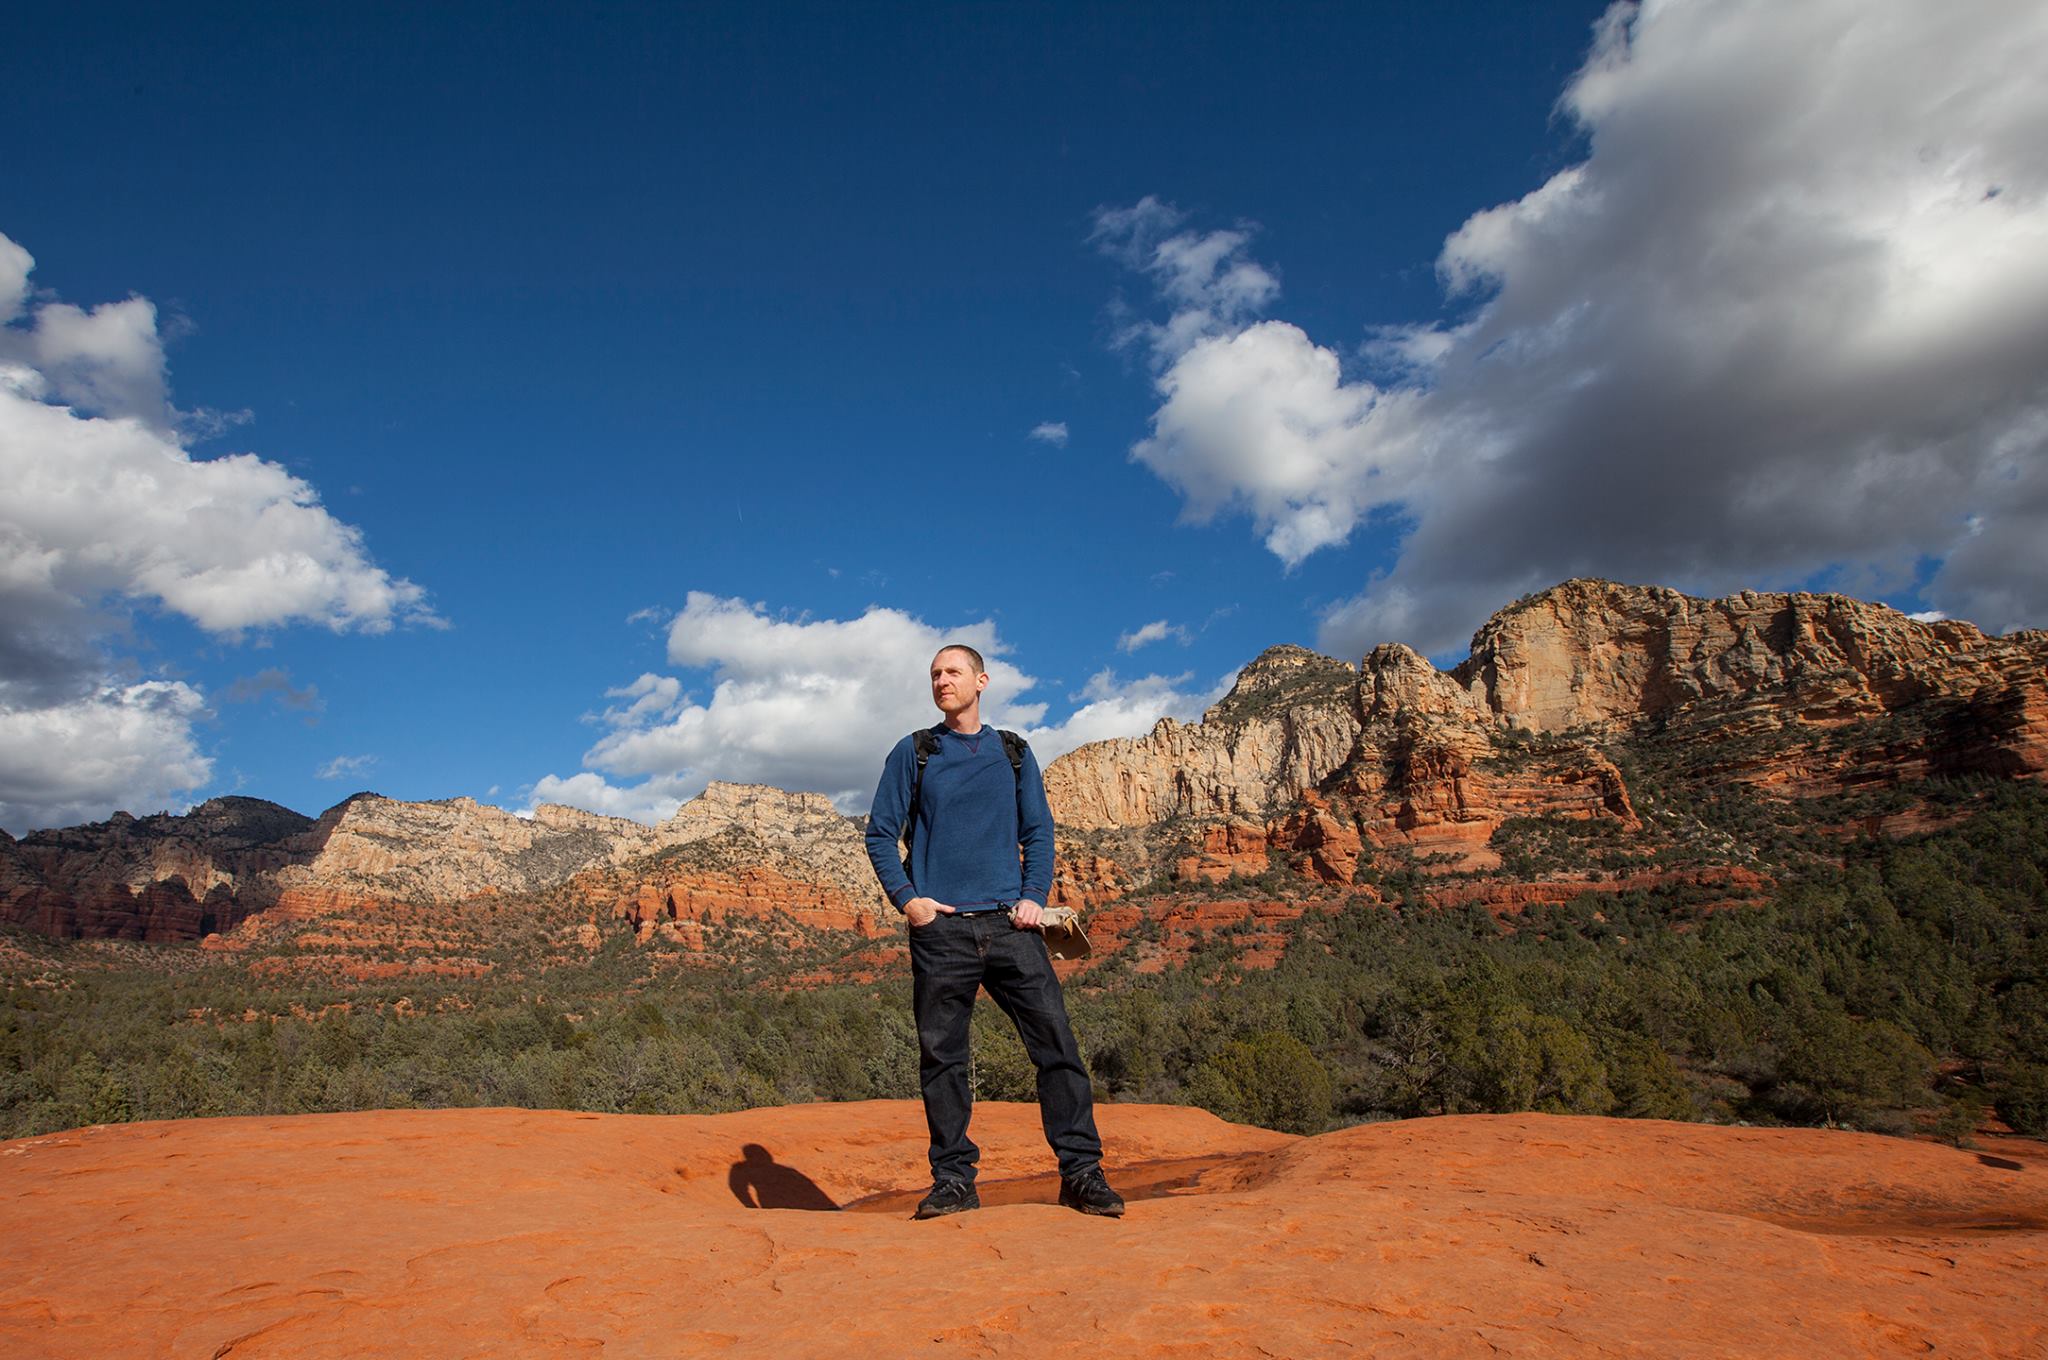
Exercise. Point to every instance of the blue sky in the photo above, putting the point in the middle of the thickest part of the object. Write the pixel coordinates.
(661, 382)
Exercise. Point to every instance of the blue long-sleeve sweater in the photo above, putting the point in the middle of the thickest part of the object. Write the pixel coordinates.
(984, 832)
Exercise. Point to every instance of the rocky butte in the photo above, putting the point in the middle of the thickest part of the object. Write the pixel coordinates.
(1584, 714)
(170, 878)
(1316, 762)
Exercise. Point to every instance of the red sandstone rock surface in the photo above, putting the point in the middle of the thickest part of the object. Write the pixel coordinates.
(524, 1233)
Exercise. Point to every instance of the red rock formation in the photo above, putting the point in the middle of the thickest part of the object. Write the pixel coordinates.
(1081, 879)
(1588, 653)
(1233, 849)
(1328, 847)
(1290, 722)
(541, 1233)
(162, 878)
(1397, 755)
(1310, 765)
(751, 893)
(176, 878)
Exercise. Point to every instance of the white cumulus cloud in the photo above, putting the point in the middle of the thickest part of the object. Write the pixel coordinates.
(108, 360)
(651, 801)
(1053, 432)
(106, 508)
(813, 704)
(119, 746)
(1789, 315)
(1117, 708)
(15, 264)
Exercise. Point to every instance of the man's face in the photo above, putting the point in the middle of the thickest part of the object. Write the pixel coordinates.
(955, 682)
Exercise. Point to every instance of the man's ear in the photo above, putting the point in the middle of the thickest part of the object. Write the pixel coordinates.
(981, 682)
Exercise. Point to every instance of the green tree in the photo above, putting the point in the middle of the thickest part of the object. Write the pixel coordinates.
(1646, 1083)
(2023, 1098)
(1570, 1078)
(1270, 1079)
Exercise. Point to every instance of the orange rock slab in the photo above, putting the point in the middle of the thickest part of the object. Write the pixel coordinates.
(752, 893)
(537, 1233)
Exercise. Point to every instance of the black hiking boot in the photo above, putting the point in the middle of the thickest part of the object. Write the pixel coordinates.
(948, 1197)
(1091, 1194)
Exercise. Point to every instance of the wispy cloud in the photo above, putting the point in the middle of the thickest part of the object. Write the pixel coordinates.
(1159, 630)
(346, 767)
(1208, 278)
(274, 683)
(653, 697)
(1052, 432)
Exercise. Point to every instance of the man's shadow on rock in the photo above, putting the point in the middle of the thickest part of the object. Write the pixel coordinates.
(760, 1182)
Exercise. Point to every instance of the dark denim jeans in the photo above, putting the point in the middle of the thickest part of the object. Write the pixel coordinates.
(952, 958)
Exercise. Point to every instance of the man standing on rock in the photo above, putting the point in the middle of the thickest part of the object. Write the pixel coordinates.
(974, 889)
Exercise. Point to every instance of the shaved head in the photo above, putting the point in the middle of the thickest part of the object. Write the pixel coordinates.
(973, 656)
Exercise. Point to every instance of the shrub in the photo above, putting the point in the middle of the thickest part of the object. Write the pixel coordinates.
(1271, 1079)
(2023, 1101)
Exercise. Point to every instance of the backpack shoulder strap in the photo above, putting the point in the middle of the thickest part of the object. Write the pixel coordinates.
(925, 742)
(1013, 747)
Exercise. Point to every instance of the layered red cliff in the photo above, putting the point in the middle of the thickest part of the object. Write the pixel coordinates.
(1312, 769)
